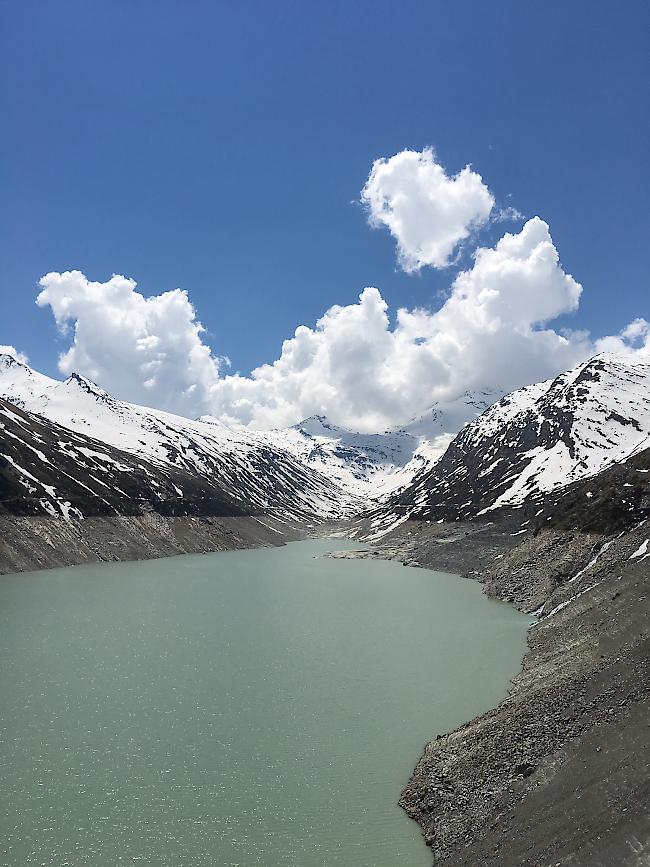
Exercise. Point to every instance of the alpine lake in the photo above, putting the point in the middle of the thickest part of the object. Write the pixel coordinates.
(259, 707)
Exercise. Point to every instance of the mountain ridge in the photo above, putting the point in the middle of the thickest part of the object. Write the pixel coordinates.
(510, 454)
(245, 470)
(355, 466)
(532, 441)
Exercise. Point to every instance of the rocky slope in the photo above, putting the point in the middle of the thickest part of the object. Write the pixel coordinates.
(47, 469)
(66, 498)
(44, 542)
(559, 773)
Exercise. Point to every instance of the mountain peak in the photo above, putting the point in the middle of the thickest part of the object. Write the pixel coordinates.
(212, 420)
(8, 360)
(317, 425)
(536, 439)
(81, 382)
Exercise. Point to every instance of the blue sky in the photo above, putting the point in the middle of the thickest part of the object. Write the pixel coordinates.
(222, 147)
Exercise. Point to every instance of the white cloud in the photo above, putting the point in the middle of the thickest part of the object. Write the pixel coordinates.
(508, 214)
(427, 212)
(633, 340)
(5, 349)
(636, 331)
(146, 350)
(362, 372)
(355, 365)
(352, 366)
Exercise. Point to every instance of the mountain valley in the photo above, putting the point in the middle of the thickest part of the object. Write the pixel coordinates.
(543, 495)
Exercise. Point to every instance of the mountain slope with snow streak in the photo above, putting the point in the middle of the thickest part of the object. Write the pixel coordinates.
(532, 441)
(249, 471)
(48, 469)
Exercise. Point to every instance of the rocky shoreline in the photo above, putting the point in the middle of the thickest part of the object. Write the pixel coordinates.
(559, 772)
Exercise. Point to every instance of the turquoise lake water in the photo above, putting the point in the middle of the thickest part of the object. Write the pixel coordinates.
(244, 708)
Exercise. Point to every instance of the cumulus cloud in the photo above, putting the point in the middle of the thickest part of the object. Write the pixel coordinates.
(427, 212)
(6, 349)
(146, 350)
(357, 365)
(352, 366)
(362, 371)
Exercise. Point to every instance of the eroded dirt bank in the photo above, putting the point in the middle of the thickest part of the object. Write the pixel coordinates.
(43, 542)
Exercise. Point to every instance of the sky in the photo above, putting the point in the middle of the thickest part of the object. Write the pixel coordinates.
(275, 159)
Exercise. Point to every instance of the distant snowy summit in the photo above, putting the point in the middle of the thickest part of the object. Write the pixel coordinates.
(375, 464)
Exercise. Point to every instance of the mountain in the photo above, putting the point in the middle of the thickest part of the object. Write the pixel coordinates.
(374, 465)
(77, 422)
(47, 469)
(559, 756)
(311, 471)
(532, 441)
(535, 440)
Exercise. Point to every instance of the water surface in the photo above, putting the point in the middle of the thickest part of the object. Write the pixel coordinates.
(244, 708)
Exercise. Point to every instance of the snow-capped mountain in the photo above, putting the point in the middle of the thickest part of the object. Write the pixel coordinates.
(241, 468)
(47, 469)
(312, 469)
(375, 465)
(365, 465)
(532, 441)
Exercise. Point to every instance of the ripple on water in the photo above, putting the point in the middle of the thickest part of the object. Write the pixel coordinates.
(246, 708)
